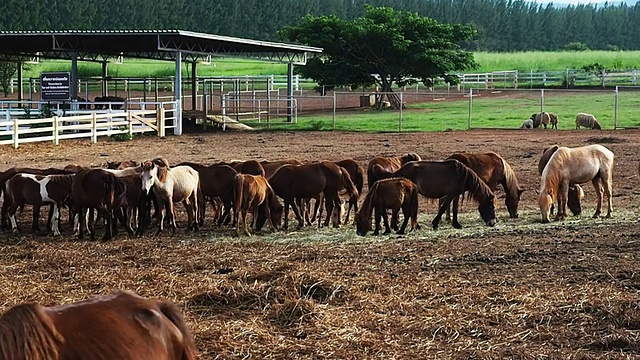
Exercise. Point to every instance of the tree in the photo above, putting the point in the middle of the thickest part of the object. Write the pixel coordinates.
(383, 47)
(7, 70)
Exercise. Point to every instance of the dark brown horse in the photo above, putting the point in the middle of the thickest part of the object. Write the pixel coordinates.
(251, 167)
(307, 181)
(394, 194)
(575, 193)
(494, 171)
(270, 167)
(357, 176)
(388, 164)
(37, 190)
(120, 326)
(100, 190)
(253, 193)
(449, 179)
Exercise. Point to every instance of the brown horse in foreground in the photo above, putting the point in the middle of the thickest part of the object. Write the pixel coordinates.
(576, 166)
(253, 192)
(449, 179)
(120, 326)
(494, 171)
(306, 181)
(394, 194)
(575, 193)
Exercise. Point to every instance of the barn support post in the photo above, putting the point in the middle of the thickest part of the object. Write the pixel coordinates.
(194, 85)
(289, 92)
(178, 95)
(74, 76)
(20, 85)
(401, 103)
(615, 109)
(334, 110)
(470, 108)
(105, 83)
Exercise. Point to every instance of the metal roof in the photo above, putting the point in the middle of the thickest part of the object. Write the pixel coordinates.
(102, 45)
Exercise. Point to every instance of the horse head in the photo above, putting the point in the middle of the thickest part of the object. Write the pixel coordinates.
(545, 200)
(512, 203)
(363, 225)
(487, 209)
(149, 175)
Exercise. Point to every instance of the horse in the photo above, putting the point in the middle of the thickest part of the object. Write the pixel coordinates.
(37, 190)
(216, 181)
(120, 165)
(357, 176)
(338, 210)
(449, 179)
(103, 191)
(270, 167)
(394, 194)
(575, 194)
(253, 192)
(494, 171)
(306, 181)
(251, 167)
(389, 164)
(177, 184)
(569, 166)
(121, 326)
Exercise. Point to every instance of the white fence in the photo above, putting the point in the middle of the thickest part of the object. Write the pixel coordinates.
(36, 122)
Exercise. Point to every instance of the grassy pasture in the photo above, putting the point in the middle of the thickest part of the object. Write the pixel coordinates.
(556, 60)
(487, 112)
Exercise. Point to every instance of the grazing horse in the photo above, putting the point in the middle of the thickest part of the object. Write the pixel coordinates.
(394, 194)
(120, 326)
(568, 166)
(306, 181)
(388, 164)
(575, 194)
(253, 192)
(172, 185)
(357, 176)
(103, 191)
(37, 190)
(449, 179)
(494, 171)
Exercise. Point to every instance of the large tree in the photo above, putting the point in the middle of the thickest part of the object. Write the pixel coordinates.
(383, 47)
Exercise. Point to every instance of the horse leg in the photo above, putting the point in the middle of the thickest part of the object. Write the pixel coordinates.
(286, 214)
(297, 211)
(108, 217)
(195, 209)
(172, 215)
(456, 208)
(447, 216)
(55, 219)
(606, 185)
(189, 208)
(599, 191)
(35, 227)
(443, 207)
(406, 212)
(90, 223)
(330, 203)
(12, 217)
(378, 217)
(563, 193)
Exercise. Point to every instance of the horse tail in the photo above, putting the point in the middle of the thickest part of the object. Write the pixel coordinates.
(413, 198)
(348, 183)
(171, 311)
(237, 193)
(359, 180)
(202, 204)
(27, 332)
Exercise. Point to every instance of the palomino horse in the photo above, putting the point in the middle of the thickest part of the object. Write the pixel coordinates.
(37, 190)
(576, 166)
(575, 194)
(449, 179)
(307, 181)
(103, 191)
(253, 192)
(494, 171)
(121, 326)
(172, 185)
(394, 194)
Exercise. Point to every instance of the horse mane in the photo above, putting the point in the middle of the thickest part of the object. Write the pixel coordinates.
(366, 208)
(409, 157)
(26, 332)
(162, 162)
(551, 175)
(477, 189)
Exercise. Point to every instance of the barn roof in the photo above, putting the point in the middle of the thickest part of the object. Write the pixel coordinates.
(102, 45)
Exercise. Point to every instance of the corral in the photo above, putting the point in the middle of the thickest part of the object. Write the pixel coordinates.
(522, 289)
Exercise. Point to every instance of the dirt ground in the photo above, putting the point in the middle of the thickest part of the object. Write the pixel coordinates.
(519, 290)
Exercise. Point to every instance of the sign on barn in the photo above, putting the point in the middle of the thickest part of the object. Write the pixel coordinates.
(55, 86)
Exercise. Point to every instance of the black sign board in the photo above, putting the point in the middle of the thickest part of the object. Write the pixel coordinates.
(55, 86)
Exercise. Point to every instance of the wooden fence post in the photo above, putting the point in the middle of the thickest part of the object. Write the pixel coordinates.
(130, 127)
(160, 120)
(94, 134)
(55, 131)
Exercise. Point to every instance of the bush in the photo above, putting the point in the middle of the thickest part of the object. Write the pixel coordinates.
(576, 46)
(122, 137)
(316, 125)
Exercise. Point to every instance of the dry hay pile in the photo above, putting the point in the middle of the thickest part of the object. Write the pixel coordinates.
(487, 297)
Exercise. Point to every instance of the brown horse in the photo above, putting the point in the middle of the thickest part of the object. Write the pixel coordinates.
(569, 166)
(575, 194)
(388, 164)
(251, 167)
(449, 179)
(103, 191)
(37, 190)
(270, 167)
(494, 171)
(253, 193)
(306, 181)
(357, 176)
(121, 326)
(394, 194)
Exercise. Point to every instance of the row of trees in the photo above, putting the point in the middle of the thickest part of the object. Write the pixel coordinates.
(503, 25)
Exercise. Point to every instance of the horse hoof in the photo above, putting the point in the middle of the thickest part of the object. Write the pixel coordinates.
(457, 226)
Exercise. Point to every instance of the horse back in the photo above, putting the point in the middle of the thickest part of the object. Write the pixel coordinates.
(184, 181)
(488, 166)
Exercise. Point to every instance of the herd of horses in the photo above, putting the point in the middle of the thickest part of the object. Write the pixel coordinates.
(124, 194)
(126, 326)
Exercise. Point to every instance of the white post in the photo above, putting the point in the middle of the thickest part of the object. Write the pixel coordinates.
(16, 129)
(223, 105)
(94, 128)
(470, 108)
(178, 94)
(615, 109)
(334, 110)
(401, 103)
(541, 100)
(56, 140)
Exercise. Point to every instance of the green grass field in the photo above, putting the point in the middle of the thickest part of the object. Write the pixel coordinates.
(486, 113)
(522, 61)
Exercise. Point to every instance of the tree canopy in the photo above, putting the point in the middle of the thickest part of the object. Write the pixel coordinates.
(382, 47)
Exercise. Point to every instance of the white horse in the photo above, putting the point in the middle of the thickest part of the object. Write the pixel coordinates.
(172, 185)
(527, 124)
